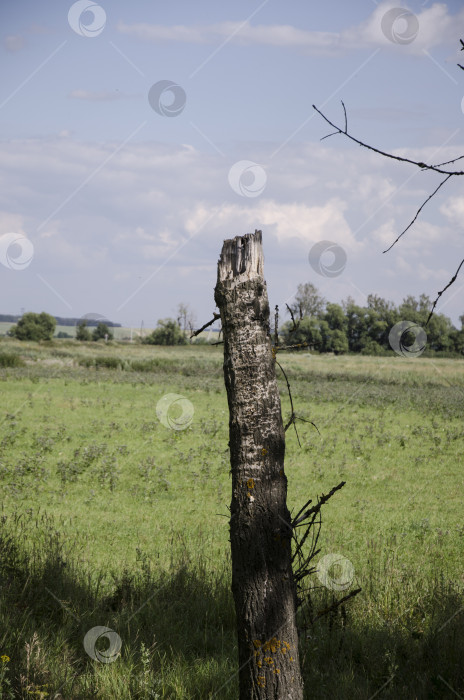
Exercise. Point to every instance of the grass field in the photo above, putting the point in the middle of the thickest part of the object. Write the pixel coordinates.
(111, 518)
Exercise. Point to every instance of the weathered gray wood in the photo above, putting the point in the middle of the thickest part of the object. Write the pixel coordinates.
(262, 579)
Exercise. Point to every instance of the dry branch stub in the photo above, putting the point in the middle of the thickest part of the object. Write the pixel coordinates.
(260, 525)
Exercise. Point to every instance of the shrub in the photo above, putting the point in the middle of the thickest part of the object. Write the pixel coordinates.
(82, 332)
(9, 359)
(102, 332)
(33, 326)
(167, 332)
(98, 362)
(107, 362)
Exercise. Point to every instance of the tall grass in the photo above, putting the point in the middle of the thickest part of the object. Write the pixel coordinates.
(108, 518)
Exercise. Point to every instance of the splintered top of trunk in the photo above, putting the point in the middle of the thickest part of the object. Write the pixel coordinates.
(241, 257)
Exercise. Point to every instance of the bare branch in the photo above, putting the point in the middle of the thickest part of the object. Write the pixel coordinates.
(417, 213)
(215, 317)
(295, 325)
(308, 421)
(292, 419)
(276, 327)
(422, 166)
(447, 162)
(299, 518)
(290, 347)
(452, 280)
(332, 134)
(346, 120)
(335, 605)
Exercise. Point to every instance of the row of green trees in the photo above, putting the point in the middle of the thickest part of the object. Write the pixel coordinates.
(32, 326)
(348, 327)
(100, 332)
(323, 326)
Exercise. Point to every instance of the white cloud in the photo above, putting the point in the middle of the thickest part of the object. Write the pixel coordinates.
(239, 32)
(453, 209)
(164, 206)
(418, 270)
(435, 26)
(431, 27)
(11, 223)
(420, 239)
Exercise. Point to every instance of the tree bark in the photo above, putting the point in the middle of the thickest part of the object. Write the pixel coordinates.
(260, 533)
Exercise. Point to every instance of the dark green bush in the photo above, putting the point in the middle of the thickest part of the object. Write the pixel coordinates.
(107, 362)
(99, 362)
(9, 359)
(32, 326)
(87, 362)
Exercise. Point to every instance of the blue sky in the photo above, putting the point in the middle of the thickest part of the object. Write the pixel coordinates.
(124, 209)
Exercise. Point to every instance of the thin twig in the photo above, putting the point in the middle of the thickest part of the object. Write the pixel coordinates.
(419, 164)
(297, 520)
(215, 317)
(305, 420)
(346, 120)
(447, 162)
(276, 328)
(335, 605)
(423, 166)
(417, 213)
(295, 325)
(453, 279)
(292, 419)
(290, 347)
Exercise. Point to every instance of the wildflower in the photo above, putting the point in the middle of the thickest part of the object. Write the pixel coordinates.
(4, 659)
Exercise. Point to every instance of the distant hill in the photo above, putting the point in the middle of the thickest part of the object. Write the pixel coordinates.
(8, 318)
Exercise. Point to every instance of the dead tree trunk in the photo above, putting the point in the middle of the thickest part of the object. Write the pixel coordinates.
(260, 532)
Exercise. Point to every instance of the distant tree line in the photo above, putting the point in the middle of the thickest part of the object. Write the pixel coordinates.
(9, 318)
(348, 327)
(320, 325)
(36, 327)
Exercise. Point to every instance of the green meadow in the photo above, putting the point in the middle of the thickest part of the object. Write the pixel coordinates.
(111, 518)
